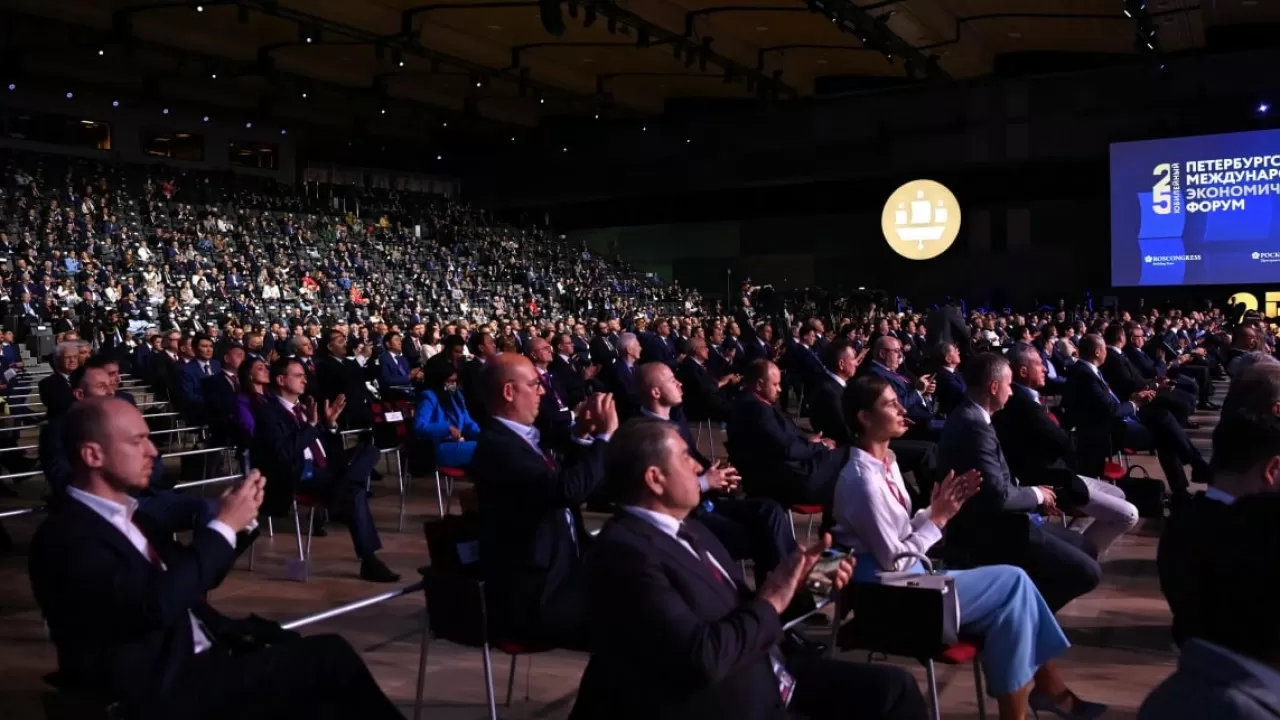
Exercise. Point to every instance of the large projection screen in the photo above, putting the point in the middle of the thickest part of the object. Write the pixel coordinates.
(1196, 210)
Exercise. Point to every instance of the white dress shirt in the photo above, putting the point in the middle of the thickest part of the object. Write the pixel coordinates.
(670, 526)
(872, 512)
(121, 518)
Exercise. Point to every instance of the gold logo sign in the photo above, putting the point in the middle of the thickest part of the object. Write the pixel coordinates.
(1270, 297)
(921, 220)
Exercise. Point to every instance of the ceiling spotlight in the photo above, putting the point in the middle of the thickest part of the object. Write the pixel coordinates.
(213, 76)
(1127, 13)
(204, 119)
(248, 125)
(101, 53)
(479, 84)
(1263, 108)
(12, 87)
(439, 157)
(401, 63)
(444, 124)
(513, 139)
(383, 111)
(70, 95)
(304, 96)
(644, 128)
(597, 116)
(564, 149)
(199, 8)
(115, 103)
(541, 101)
(164, 111)
(283, 131)
(308, 38)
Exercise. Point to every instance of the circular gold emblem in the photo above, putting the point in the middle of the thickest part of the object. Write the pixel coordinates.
(921, 220)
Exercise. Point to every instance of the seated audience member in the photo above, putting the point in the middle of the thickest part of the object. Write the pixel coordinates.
(220, 391)
(532, 538)
(999, 603)
(555, 418)
(1125, 379)
(112, 367)
(1090, 405)
(1227, 667)
(1191, 379)
(171, 510)
(755, 528)
(336, 374)
(1002, 525)
(775, 460)
(707, 397)
(55, 390)
(565, 368)
(916, 397)
(442, 417)
(254, 379)
(678, 634)
(1246, 461)
(1040, 452)
(125, 603)
(947, 379)
(620, 377)
(394, 375)
(191, 400)
(296, 443)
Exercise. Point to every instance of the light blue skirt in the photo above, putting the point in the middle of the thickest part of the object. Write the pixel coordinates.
(1000, 604)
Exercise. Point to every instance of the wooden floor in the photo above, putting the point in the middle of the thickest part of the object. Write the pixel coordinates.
(1120, 632)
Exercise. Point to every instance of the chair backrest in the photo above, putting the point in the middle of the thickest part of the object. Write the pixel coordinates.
(456, 605)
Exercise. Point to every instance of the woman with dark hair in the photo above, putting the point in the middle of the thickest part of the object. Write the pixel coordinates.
(254, 376)
(442, 415)
(873, 519)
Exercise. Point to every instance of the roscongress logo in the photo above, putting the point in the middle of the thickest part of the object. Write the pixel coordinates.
(921, 220)
(1169, 260)
(1266, 257)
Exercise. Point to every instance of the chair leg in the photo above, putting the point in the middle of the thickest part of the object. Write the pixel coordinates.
(791, 523)
(297, 527)
(311, 523)
(400, 479)
(422, 665)
(697, 441)
(982, 696)
(809, 531)
(487, 659)
(711, 440)
(528, 677)
(252, 552)
(511, 678)
(439, 493)
(932, 676)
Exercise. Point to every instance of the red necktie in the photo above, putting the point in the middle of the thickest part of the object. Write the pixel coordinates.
(317, 450)
(684, 534)
(152, 556)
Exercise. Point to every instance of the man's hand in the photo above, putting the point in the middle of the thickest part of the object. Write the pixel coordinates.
(923, 382)
(333, 410)
(1141, 397)
(454, 433)
(591, 371)
(308, 405)
(239, 505)
(781, 584)
(723, 476)
(1050, 498)
(817, 439)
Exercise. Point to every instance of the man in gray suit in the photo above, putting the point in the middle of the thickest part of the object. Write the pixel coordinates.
(1002, 524)
(1228, 670)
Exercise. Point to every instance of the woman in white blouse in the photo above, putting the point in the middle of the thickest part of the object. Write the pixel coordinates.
(873, 519)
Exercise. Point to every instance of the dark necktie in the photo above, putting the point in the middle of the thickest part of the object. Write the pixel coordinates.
(151, 553)
(207, 370)
(317, 450)
(684, 534)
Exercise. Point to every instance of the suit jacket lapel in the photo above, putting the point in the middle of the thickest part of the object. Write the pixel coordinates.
(107, 532)
(668, 545)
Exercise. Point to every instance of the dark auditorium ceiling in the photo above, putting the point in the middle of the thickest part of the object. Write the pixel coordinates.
(493, 60)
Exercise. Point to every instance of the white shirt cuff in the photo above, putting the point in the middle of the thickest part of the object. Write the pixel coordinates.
(702, 482)
(224, 530)
(1039, 495)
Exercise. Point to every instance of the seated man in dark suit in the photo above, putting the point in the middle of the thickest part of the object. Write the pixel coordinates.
(620, 377)
(826, 416)
(1040, 452)
(190, 394)
(678, 634)
(658, 345)
(1125, 379)
(219, 393)
(532, 539)
(776, 461)
(1246, 461)
(1002, 525)
(948, 382)
(754, 528)
(55, 390)
(394, 375)
(1227, 667)
(296, 443)
(125, 603)
(1188, 380)
(706, 395)
(555, 414)
(565, 367)
(916, 397)
(1092, 407)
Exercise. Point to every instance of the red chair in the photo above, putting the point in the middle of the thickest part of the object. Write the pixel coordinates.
(445, 477)
(813, 511)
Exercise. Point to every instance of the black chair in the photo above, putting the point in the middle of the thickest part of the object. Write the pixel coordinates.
(456, 606)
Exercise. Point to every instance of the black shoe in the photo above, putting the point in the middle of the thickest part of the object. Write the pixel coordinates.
(1208, 406)
(376, 476)
(374, 570)
(793, 644)
(1191, 425)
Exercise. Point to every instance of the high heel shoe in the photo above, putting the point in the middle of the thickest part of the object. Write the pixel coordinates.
(1084, 710)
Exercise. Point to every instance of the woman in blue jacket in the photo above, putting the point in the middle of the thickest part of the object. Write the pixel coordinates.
(442, 416)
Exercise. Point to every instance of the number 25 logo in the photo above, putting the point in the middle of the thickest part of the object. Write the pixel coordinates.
(1161, 198)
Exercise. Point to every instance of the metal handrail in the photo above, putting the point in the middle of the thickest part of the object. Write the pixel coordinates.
(192, 428)
(207, 481)
(37, 416)
(353, 606)
(22, 475)
(23, 511)
(199, 451)
(180, 486)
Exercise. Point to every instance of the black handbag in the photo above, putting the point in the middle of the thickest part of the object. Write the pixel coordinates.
(912, 615)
